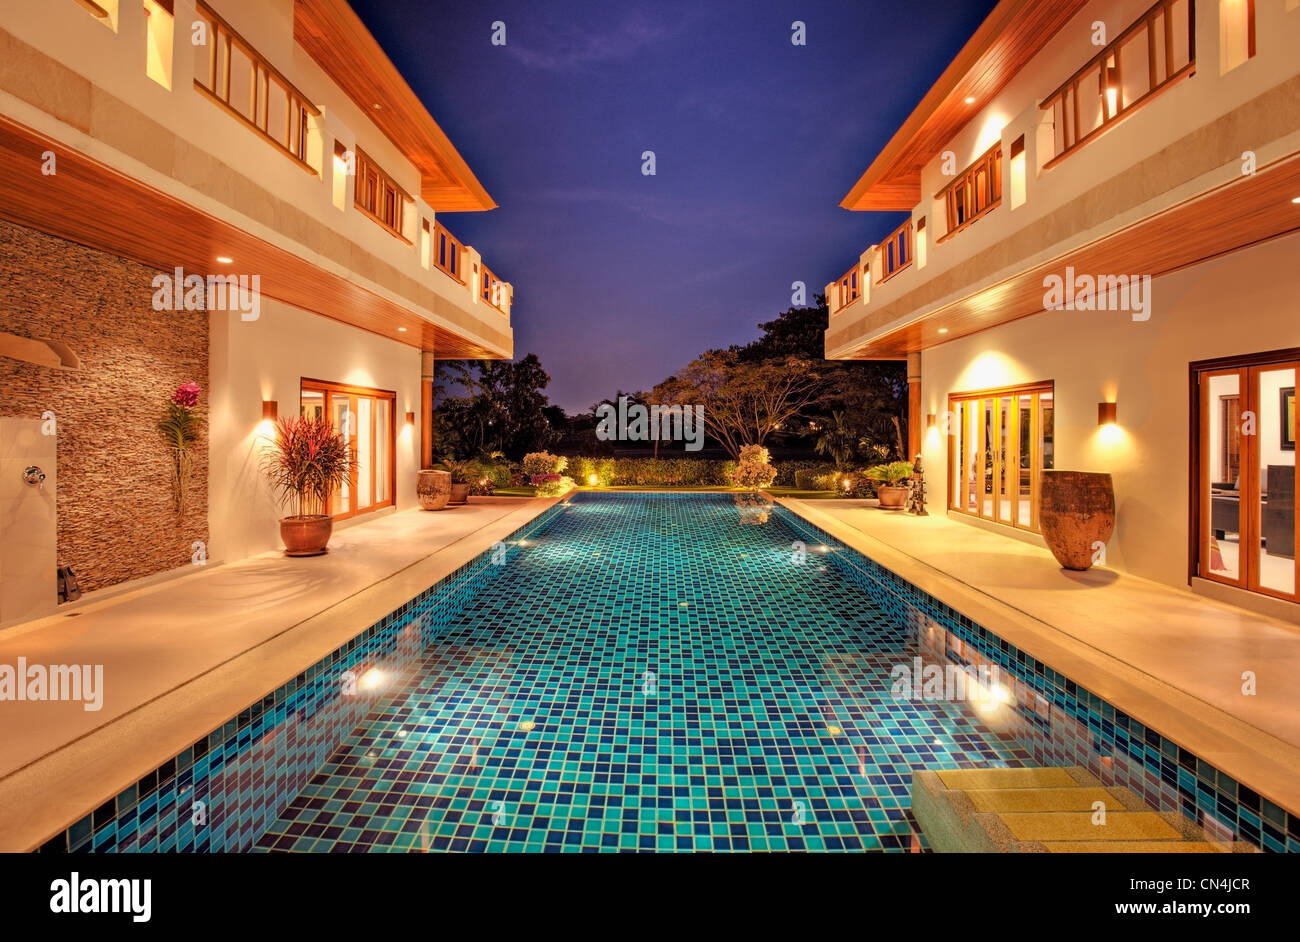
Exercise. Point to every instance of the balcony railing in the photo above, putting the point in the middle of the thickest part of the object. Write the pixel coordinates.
(231, 73)
(494, 289)
(896, 252)
(1151, 55)
(447, 251)
(850, 290)
(973, 193)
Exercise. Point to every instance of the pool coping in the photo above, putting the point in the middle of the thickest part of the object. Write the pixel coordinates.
(1250, 755)
(57, 789)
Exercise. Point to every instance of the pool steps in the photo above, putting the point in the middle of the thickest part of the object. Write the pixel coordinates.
(1048, 810)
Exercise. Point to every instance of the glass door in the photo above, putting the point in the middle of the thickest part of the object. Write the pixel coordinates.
(365, 418)
(1247, 477)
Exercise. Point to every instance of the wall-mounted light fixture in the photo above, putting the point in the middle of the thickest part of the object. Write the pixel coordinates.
(931, 421)
(1110, 85)
(410, 418)
(270, 410)
(1105, 414)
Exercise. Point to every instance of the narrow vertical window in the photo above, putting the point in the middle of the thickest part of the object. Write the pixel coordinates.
(1018, 172)
(1236, 33)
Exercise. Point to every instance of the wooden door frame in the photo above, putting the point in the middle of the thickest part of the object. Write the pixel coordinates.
(1198, 445)
(331, 389)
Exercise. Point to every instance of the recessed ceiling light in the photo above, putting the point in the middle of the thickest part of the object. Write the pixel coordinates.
(377, 106)
(224, 259)
(401, 330)
(970, 99)
(1296, 200)
(943, 330)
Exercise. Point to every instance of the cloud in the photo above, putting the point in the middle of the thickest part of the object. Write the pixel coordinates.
(570, 48)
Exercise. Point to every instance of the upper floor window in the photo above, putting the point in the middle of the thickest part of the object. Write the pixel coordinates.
(230, 72)
(159, 27)
(379, 196)
(1236, 33)
(896, 251)
(1150, 55)
(974, 192)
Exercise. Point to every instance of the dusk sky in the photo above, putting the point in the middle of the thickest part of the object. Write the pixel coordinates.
(620, 278)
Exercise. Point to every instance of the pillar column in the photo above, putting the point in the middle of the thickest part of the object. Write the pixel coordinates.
(426, 409)
(914, 417)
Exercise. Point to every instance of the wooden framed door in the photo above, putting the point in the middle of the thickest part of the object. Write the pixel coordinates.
(1245, 475)
(999, 442)
(364, 416)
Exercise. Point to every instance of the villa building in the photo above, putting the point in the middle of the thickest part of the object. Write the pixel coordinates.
(1097, 271)
(241, 194)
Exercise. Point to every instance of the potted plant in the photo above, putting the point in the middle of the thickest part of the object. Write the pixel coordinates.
(893, 496)
(463, 474)
(308, 460)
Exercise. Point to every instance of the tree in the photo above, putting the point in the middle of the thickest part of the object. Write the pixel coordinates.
(503, 407)
(744, 401)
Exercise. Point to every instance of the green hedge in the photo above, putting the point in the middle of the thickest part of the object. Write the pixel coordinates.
(806, 478)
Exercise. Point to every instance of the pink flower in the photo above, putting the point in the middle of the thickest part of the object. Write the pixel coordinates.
(187, 395)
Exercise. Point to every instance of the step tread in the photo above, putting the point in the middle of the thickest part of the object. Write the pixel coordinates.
(966, 779)
(1078, 798)
(1135, 847)
(1047, 826)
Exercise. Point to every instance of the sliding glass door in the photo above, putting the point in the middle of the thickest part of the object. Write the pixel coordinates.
(365, 417)
(1246, 476)
(999, 440)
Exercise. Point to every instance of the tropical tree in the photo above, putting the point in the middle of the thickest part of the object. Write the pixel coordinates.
(744, 401)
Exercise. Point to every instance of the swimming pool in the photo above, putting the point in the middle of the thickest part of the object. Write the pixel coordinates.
(647, 672)
(643, 671)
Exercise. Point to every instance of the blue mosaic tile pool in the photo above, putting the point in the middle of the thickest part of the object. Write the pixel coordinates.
(646, 672)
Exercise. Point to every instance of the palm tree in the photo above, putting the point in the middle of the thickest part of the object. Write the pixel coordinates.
(837, 441)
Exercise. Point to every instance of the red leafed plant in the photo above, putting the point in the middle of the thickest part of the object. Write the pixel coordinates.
(308, 460)
(180, 428)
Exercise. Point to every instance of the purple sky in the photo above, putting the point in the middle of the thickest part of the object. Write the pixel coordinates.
(622, 278)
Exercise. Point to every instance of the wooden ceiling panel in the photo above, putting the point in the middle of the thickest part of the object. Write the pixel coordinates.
(1247, 211)
(332, 34)
(1015, 32)
(91, 204)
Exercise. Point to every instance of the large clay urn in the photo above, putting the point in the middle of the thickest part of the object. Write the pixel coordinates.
(433, 488)
(306, 535)
(1077, 511)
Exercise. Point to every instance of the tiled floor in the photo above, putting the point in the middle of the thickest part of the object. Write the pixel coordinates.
(646, 674)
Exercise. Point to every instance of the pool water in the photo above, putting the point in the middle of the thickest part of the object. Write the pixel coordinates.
(647, 672)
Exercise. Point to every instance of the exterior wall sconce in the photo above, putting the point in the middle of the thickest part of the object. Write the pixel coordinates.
(270, 410)
(1105, 414)
(410, 418)
(931, 421)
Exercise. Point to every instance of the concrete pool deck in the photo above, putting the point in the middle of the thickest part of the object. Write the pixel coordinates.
(1170, 658)
(182, 656)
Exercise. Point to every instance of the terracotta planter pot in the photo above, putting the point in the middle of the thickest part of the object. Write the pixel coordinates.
(891, 497)
(1076, 510)
(459, 494)
(306, 535)
(433, 488)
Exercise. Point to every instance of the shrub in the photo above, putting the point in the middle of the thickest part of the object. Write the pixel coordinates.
(806, 478)
(552, 485)
(543, 462)
(787, 472)
(754, 469)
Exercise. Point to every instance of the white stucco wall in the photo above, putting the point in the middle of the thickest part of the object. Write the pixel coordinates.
(1241, 303)
(267, 359)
